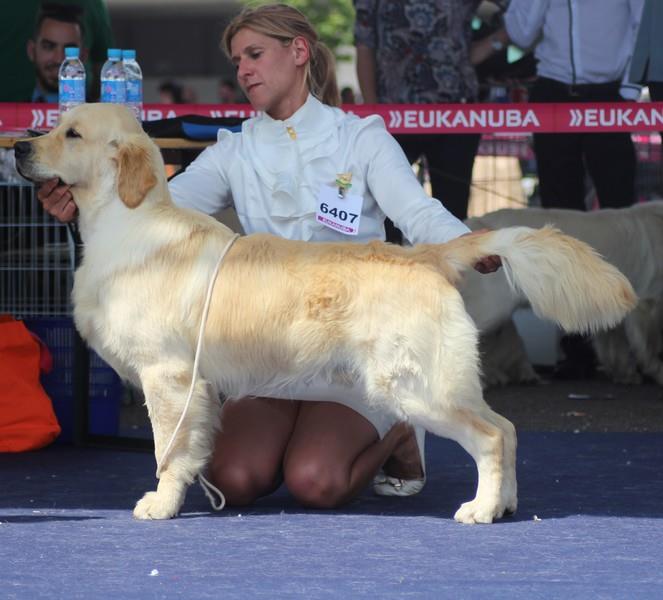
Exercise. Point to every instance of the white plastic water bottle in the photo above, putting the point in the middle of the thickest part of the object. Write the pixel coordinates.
(113, 79)
(71, 88)
(134, 78)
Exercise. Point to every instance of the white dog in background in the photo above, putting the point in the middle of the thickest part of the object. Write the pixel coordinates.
(384, 318)
(504, 358)
(629, 238)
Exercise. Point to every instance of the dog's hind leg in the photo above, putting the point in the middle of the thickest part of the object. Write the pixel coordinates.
(491, 441)
(165, 395)
(488, 437)
(425, 368)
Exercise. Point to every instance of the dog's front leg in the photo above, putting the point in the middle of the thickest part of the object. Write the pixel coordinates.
(166, 390)
(643, 331)
(615, 357)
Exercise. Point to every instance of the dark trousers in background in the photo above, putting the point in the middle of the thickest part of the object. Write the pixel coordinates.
(450, 161)
(655, 91)
(564, 159)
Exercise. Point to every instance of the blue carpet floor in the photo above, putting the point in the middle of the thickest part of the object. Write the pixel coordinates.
(589, 525)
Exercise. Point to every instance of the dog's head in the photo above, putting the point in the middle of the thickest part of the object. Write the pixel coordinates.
(97, 149)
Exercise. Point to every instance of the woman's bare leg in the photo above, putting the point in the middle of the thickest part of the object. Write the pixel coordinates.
(334, 453)
(248, 454)
(328, 451)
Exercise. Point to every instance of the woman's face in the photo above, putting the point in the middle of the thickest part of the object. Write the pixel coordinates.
(272, 75)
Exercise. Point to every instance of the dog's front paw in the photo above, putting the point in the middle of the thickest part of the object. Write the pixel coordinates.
(154, 505)
(478, 512)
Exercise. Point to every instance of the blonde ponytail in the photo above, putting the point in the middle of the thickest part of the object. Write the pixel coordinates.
(322, 75)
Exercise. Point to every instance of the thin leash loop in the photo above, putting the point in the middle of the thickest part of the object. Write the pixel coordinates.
(208, 488)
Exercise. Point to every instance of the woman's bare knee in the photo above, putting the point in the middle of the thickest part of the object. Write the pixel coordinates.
(246, 463)
(316, 485)
(324, 464)
(241, 484)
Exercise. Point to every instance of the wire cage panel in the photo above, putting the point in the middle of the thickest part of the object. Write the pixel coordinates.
(36, 256)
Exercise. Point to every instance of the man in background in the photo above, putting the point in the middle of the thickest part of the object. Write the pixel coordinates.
(583, 51)
(17, 26)
(58, 27)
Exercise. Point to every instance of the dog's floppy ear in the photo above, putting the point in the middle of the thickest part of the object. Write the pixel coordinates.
(135, 171)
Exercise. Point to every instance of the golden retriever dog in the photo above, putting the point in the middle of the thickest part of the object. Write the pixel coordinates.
(631, 239)
(387, 319)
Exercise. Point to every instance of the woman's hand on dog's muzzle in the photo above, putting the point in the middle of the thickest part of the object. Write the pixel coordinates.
(57, 200)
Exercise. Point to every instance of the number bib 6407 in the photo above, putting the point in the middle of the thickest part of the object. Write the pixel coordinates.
(340, 213)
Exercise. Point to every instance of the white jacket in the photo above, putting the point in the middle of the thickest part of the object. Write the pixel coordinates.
(577, 41)
(273, 180)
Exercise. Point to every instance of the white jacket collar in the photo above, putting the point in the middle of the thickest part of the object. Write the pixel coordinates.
(311, 124)
(280, 158)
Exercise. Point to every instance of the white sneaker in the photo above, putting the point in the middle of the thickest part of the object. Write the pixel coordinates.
(385, 485)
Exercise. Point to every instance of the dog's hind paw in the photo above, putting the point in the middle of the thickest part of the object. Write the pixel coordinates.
(154, 506)
(478, 512)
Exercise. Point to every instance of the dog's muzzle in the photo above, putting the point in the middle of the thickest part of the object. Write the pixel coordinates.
(22, 150)
(22, 153)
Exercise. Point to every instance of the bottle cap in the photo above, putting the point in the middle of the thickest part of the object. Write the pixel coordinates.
(71, 52)
(129, 54)
(114, 53)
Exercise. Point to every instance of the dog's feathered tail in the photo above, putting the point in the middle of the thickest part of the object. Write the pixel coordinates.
(563, 279)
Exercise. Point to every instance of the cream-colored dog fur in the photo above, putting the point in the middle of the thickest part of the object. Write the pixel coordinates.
(629, 238)
(382, 317)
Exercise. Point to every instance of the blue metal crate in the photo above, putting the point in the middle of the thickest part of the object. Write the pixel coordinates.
(106, 388)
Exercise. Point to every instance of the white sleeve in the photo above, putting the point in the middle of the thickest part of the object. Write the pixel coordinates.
(204, 186)
(524, 21)
(395, 188)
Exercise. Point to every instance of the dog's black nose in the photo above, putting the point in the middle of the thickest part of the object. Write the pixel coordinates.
(22, 149)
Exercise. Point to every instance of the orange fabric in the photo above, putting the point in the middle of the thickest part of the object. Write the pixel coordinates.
(27, 420)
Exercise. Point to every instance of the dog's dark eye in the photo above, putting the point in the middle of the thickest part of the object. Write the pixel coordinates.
(72, 133)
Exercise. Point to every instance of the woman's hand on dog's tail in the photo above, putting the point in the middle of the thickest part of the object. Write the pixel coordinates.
(486, 264)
